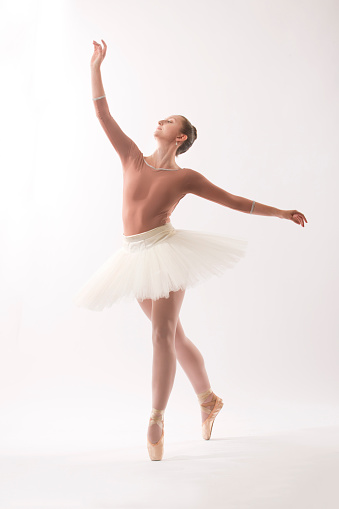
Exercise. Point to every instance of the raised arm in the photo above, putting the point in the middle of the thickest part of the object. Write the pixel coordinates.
(201, 186)
(120, 141)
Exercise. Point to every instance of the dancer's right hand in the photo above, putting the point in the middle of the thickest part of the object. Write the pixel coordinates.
(99, 53)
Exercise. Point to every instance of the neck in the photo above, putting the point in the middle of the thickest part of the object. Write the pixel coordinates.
(164, 157)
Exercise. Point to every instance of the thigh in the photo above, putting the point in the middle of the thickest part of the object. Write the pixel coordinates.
(165, 312)
(146, 306)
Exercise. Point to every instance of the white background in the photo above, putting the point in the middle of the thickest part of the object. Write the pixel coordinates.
(259, 80)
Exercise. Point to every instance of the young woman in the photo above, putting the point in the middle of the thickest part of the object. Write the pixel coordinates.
(157, 262)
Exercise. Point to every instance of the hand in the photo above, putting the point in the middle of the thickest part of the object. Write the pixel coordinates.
(99, 54)
(295, 216)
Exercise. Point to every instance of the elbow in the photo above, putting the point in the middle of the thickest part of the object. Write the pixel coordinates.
(100, 115)
(101, 112)
(241, 204)
(102, 118)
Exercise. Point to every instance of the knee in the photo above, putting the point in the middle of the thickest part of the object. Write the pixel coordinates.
(163, 335)
(180, 337)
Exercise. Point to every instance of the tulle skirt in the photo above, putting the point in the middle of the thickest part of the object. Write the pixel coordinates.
(151, 264)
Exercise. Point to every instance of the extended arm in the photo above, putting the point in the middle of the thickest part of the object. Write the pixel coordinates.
(201, 186)
(120, 141)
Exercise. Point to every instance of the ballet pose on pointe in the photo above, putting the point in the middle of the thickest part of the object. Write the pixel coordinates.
(146, 206)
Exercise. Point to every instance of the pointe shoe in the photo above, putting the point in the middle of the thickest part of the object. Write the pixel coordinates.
(156, 451)
(215, 405)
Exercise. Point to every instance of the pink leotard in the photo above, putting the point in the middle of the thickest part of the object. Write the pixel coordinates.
(149, 194)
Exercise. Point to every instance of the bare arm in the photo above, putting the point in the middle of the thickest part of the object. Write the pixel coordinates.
(120, 141)
(97, 86)
(201, 186)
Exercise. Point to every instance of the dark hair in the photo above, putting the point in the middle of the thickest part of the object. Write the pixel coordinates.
(191, 132)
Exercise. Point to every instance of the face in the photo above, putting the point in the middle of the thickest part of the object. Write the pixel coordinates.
(169, 128)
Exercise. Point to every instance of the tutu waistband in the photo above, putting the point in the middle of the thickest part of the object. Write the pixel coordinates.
(149, 238)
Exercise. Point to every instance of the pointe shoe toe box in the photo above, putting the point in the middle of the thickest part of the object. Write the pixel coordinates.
(156, 451)
(208, 423)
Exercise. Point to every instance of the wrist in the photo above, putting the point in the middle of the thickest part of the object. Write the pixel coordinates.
(280, 213)
(95, 67)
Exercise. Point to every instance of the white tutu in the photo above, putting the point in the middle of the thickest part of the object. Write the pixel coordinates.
(151, 264)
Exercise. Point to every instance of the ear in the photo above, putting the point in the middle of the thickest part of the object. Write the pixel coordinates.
(183, 137)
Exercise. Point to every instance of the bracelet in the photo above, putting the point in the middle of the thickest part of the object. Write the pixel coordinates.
(252, 207)
(96, 98)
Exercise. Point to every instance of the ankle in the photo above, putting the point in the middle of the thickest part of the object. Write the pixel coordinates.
(157, 415)
(155, 425)
(205, 396)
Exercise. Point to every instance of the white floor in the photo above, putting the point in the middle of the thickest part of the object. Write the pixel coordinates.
(294, 470)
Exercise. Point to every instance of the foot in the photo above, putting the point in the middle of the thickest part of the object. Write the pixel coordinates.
(154, 429)
(210, 405)
(211, 397)
(154, 433)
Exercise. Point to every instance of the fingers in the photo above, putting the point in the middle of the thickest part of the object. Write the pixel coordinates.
(302, 218)
(97, 47)
(299, 217)
(302, 215)
(105, 47)
(301, 221)
(103, 43)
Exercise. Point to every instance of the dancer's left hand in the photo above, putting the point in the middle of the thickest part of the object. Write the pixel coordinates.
(295, 216)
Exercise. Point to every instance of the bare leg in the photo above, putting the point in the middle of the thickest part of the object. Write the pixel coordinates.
(164, 317)
(191, 360)
(188, 355)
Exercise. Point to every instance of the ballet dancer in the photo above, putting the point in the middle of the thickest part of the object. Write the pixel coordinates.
(157, 262)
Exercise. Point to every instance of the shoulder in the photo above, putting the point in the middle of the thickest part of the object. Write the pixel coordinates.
(135, 158)
(194, 180)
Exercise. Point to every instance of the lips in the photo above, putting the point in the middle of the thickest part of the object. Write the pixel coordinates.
(158, 128)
